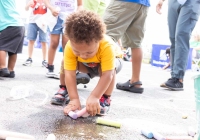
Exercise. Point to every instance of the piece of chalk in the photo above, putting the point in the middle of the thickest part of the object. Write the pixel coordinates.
(179, 138)
(51, 137)
(78, 113)
(73, 115)
(147, 133)
(5, 134)
(108, 122)
(191, 131)
(158, 136)
(81, 112)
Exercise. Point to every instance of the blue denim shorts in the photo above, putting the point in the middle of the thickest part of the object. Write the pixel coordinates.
(33, 30)
(58, 28)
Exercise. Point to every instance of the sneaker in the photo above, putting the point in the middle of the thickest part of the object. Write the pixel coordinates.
(11, 75)
(174, 84)
(50, 73)
(4, 72)
(44, 63)
(105, 105)
(28, 62)
(57, 75)
(61, 97)
(82, 78)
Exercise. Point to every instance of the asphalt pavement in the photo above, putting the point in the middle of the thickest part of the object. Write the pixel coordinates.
(169, 113)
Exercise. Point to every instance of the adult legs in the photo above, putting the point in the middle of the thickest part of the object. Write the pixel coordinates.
(132, 31)
(181, 21)
(136, 65)
(11, 62)
(3, 59)
(181, 24)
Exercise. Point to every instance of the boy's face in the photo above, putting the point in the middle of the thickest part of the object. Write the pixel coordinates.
(84, 50)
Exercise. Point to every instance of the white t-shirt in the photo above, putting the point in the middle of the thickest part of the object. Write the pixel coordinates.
(37, 10)
(67, 6)
(181, 1)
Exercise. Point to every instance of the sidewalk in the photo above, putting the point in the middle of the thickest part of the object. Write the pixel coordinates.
(157, 108)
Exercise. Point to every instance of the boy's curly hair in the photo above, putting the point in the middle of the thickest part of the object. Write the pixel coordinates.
(84, 26)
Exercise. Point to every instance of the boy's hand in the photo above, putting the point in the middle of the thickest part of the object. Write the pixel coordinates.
(93, 106)
(72, 106)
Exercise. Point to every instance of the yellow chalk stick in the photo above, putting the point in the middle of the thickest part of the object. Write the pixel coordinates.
(108, 122)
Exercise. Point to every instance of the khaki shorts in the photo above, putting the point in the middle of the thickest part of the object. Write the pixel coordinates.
(126, 20)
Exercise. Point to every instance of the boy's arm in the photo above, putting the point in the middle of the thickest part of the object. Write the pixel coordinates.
(92, 104)
(103, 84)
(70, 81)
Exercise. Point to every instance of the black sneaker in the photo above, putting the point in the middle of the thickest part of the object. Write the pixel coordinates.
(4, 72)
(105, 105)
(174, 84)
(11, 75)
(50, 73)
(28, 62)
(82, 78)
(61, 97)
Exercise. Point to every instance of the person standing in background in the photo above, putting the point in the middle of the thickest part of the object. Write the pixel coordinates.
(61, 9)
(126, 19)
(11, 37)
(38, 9)
(97, 6)
(182, 18)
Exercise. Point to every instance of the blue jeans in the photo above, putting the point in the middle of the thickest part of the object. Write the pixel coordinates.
(181, 22)
(33, 30)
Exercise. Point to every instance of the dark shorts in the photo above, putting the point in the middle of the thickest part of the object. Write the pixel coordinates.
(11, 39)
(94, 71)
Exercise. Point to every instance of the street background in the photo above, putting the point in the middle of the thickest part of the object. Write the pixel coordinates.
(157, 108)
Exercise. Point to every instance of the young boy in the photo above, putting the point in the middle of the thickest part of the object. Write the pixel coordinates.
(90, 51)
(38, 9)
